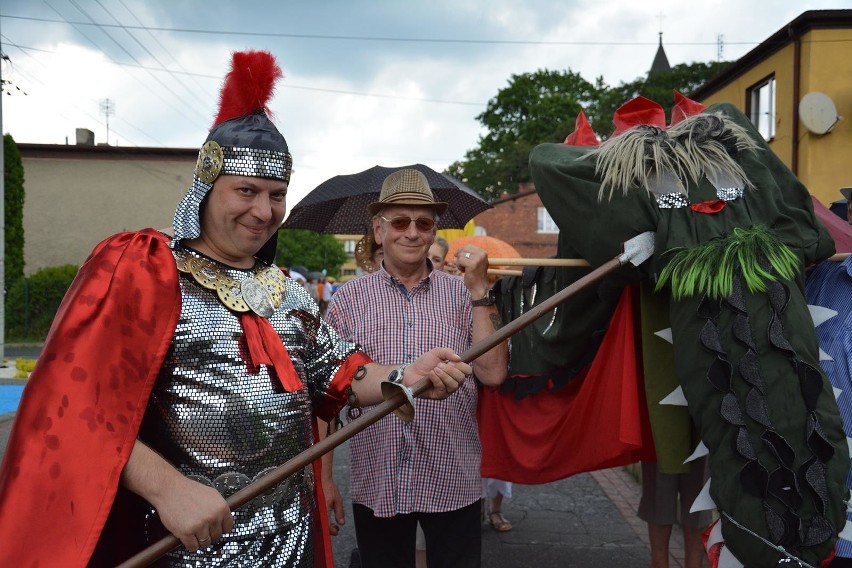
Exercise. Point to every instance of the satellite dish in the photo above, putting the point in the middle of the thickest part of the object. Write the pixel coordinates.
(818, 113)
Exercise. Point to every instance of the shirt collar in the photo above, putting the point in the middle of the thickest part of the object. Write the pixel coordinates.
(393, 280)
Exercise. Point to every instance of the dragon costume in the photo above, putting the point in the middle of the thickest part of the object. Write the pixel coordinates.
(734, 231)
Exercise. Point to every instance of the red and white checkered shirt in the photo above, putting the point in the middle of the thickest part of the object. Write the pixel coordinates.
(431, 464)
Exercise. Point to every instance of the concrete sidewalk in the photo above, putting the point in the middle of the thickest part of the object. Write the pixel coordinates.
(585, 521)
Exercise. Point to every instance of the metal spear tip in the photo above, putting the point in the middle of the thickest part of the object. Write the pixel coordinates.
(638, 249)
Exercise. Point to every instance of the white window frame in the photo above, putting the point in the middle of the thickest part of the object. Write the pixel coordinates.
(546, 224)
(761, 101)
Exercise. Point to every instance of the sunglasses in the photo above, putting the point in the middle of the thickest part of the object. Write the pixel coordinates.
(423, 224)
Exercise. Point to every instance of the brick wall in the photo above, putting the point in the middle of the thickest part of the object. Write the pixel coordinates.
(514, 219)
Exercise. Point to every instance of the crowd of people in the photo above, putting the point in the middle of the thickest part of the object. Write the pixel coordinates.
(219, 368)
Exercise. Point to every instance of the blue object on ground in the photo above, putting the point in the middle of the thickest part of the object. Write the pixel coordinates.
(10, 396)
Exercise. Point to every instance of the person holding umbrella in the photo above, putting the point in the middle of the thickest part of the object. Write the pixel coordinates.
(403, 309)
(182, 367)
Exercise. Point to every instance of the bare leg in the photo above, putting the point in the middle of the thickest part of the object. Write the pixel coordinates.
(659, 536)
(497, 502)
(693, 548)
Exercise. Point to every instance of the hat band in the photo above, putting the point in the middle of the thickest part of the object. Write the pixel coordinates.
(254, 162)
(408, 197)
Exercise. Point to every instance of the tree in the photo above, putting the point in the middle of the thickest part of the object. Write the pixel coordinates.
(542, 107)
(534, 108)
(13, 210)
(658, 87)
(312, 250)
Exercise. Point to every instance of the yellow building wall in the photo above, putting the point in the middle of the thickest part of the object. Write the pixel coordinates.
(824, 162)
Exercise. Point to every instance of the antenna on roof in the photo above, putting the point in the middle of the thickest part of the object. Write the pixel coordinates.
(108, 109)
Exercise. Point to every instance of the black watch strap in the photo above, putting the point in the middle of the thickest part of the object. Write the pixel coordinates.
(489, 300)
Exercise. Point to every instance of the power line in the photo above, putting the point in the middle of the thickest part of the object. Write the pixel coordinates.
(33, 79)
(285, 85)
(163, 47)
(369, 38)
(130, 55)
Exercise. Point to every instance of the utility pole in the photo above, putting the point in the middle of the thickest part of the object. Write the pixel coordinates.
(108, 109)
(720, 47)
(3, 60)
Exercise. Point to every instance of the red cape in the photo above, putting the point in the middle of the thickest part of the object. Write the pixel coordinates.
(82, 406)
(599, 420)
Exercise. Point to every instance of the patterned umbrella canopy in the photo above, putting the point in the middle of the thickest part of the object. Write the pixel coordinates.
(338, 206)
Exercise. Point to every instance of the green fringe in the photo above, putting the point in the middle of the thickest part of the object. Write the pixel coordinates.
(710, 268)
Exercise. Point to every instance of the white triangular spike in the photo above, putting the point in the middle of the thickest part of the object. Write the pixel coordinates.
(700, 451)
(823, 356)
(715, 535)
(820, 314)
(837, 392)
(665, 334)
(846, 533)
(728, 560)
(703, 502)
(675, 398)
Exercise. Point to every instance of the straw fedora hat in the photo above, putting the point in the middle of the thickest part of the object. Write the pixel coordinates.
(406, 187)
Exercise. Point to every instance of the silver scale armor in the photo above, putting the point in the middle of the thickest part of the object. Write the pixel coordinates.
(224, 426)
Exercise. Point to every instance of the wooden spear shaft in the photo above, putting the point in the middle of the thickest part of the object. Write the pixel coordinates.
(538, 262)
(576, 262)
(282, 472)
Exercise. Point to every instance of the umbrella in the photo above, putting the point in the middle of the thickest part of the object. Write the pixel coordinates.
(338, 206)
(494, 247)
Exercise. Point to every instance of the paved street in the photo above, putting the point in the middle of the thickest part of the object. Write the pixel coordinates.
(586, 521)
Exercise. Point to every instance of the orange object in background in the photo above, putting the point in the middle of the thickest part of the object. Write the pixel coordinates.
(495, 247)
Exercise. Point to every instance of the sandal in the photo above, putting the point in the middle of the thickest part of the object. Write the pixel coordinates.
(498, 522)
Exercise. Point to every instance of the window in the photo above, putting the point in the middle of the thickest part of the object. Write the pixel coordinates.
(761, 107)
(349, 247)
(545, 222)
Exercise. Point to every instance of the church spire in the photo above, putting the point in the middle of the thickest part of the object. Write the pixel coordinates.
(661, 62)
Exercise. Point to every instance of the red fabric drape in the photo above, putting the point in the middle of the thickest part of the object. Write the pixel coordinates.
(78, 417)
(599, 420)
(265, 348)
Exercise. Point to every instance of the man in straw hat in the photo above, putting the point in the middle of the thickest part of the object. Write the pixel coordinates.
(426, 470)
(181, 368)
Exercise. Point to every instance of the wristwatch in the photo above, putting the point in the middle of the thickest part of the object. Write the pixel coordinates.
(392, 386)
(397, 375)
(489, 299)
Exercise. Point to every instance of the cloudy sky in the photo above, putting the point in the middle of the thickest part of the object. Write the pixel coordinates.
(366, 82)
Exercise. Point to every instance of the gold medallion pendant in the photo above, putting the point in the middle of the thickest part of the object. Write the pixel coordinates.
(261, 293)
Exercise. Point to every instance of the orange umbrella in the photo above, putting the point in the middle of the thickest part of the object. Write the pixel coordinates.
(491, 245)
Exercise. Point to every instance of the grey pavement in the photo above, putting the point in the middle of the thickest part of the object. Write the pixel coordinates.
(574, 522)
(585, 521)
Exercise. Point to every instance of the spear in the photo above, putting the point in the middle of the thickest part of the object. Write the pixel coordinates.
(636, 251)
